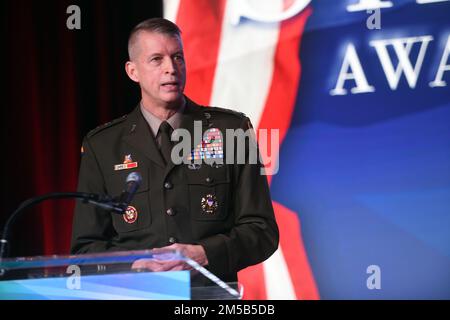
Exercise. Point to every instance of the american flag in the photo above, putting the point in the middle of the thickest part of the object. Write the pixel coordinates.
(254, 67)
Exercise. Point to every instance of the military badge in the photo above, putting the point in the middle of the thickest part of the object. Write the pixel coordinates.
(209, 204)
(211, 146)
(130, 215)
(127, 163)
(127, 159)
(194, 166)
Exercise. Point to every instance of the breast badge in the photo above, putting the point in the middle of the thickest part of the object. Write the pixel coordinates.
(209, 204)
(130, 215)
(128, 163)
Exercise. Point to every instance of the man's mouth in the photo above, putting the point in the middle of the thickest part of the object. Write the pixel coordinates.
(170, 85)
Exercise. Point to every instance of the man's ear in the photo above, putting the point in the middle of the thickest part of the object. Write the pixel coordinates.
(130, 68)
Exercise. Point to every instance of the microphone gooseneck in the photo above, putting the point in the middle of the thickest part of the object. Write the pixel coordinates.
(117, 205)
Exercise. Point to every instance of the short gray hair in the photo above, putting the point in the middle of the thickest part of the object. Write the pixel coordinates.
(158, 25)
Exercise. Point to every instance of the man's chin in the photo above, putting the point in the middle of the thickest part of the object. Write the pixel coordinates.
(172, 98)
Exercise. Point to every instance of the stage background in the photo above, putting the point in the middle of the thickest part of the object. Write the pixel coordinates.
(363, 180)
(60, 84)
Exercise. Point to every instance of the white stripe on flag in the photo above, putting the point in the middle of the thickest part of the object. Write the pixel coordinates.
(245, 63)
(170, 9)
(277, 277)
(242, 81)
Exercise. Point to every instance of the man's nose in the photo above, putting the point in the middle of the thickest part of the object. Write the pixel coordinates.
(169, 66)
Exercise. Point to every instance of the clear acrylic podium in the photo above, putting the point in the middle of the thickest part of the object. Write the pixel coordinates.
(109, 276)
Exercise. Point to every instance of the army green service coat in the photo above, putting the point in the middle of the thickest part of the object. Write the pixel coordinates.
(170, 203)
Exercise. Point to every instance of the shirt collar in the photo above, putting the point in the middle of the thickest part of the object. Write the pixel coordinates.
(154, 122)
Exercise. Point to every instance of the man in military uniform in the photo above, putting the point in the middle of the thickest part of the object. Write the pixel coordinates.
(218, 214)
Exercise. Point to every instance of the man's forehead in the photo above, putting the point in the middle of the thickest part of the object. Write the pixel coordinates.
(157, 37)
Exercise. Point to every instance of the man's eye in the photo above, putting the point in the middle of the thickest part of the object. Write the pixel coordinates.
(156, 59)
(179, 58)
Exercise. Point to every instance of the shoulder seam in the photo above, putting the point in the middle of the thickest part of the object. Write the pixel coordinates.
(105, 125)
(229, 111)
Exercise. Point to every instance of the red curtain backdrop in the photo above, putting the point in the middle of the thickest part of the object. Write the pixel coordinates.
(59, 84)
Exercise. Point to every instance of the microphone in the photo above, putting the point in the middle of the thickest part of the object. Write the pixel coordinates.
(133, 182)
(118, 205)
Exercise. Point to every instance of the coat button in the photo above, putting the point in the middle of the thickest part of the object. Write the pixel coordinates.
(168, 185)
(170, 212)
(209, 180)
(173, 240)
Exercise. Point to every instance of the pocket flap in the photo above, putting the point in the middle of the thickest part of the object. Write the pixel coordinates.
(207, 175)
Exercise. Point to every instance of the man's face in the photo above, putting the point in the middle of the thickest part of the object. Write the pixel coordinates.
(158, 65)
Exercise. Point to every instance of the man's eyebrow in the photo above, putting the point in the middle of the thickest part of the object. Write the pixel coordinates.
(153, 55)
(156, 54)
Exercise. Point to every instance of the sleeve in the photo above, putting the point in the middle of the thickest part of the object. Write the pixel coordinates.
(92, 228)
(254, 237)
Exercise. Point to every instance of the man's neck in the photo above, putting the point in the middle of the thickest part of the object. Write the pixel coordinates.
(163, 112)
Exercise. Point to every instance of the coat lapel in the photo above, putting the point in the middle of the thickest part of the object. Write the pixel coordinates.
(191, 113)
(138, 135)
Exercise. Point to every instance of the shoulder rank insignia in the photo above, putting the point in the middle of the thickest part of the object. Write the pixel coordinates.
(105, 126)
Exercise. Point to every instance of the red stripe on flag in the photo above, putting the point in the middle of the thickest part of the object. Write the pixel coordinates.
(201, 24)
(294, 253)
(280, 102)
(252, 279)
(277, 114)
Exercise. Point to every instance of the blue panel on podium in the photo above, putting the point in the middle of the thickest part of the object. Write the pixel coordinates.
(135, 286)
(110, 276)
